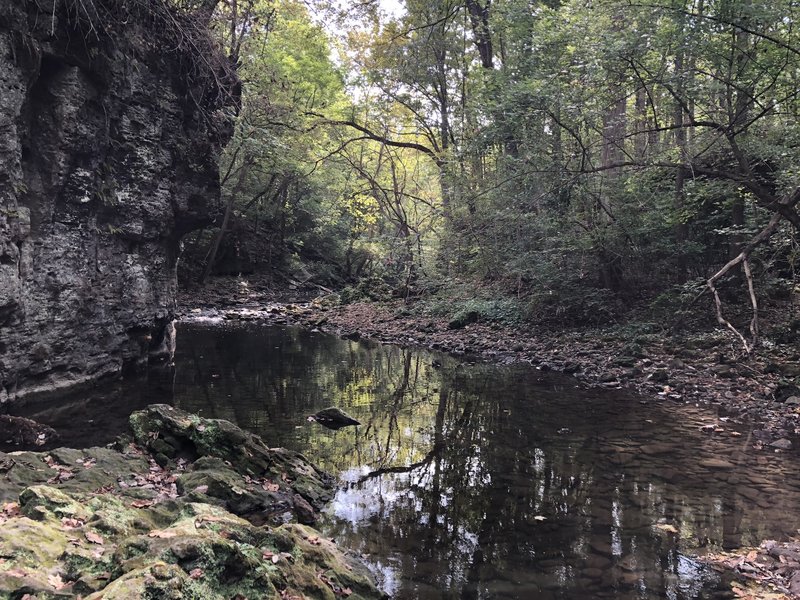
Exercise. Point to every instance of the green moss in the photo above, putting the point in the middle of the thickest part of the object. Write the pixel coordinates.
(31, 543)
(174, 548)
(38, 501)
(83, 560)
(158, 580)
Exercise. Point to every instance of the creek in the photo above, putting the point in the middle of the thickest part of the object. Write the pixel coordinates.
(470, 480)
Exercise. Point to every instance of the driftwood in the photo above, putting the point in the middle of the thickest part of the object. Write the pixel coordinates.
(743, 259)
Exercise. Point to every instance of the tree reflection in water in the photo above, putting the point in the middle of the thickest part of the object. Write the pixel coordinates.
(477, 481)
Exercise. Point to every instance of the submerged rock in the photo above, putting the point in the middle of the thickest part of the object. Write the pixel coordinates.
(782, 444)
(104, 523)
(20, 431)
(333, 418)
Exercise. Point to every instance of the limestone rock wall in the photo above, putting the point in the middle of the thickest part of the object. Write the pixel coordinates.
(108, 155)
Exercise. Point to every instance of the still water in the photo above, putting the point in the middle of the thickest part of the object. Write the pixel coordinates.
(478, 481)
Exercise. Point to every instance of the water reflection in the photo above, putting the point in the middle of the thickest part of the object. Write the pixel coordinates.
(474, 481)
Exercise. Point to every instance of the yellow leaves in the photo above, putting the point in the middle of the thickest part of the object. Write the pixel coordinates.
(364, 209)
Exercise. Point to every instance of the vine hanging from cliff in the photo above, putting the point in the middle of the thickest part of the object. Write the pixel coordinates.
(177, 27)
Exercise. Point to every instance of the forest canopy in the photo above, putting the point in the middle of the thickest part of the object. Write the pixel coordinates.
(557, 161)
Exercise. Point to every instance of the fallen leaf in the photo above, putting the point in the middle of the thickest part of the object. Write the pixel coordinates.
(270, 486)
(93, 537)
(63, 475)
(162, 534)
(16, 572)
(71, 523)
(209, 519)
(667, 527)
(56, 581)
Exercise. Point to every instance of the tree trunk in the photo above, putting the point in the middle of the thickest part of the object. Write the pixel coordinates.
(479, 18)
(212, 256)
(681, 144)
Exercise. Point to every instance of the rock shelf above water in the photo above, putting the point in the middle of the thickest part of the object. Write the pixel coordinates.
(187, 508)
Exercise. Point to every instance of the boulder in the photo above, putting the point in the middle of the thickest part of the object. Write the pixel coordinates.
(781, 444)
(463, 318)
(104, 523)
(243, 454)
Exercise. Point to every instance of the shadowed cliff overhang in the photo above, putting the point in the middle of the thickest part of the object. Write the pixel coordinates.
(112, 117)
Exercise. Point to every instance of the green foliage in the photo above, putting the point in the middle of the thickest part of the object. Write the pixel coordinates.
(368, 288)
(571, 304)
(457, 301)
(614, 155)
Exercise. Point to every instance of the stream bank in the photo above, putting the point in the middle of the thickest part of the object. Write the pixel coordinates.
(694, 368)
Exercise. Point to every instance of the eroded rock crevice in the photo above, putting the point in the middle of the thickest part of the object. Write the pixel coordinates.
(106, 160)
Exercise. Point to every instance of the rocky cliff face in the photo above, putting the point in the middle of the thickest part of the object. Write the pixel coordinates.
(109, 139)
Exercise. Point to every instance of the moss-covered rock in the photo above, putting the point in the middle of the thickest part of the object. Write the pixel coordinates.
(111, 523)
(204, 552)
(38, 501)
(241, 457)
